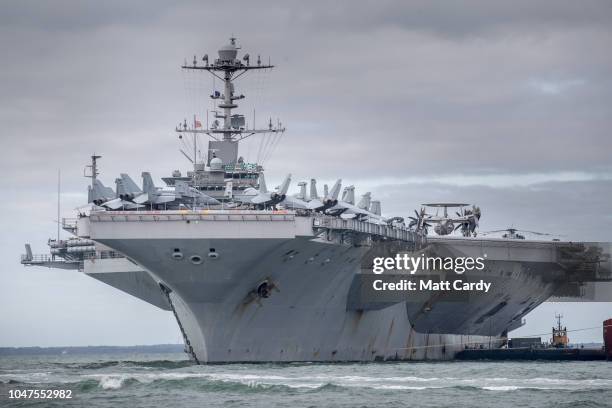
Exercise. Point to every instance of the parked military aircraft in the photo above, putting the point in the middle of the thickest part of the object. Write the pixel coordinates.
(99, 193)
(264, 197)
(329, 204)
(129, 196)
(512, 233)
(346, 206)
(419, 223)
(153, 195)
(471, 219)
(126, 191)
(329, 200)
(444, 224)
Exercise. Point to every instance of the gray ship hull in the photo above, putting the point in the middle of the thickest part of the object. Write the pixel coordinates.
(312, 311)
(305, 318)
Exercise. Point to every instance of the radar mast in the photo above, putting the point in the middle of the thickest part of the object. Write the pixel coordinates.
(228, 67)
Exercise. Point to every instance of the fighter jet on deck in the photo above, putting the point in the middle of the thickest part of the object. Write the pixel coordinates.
(129, 196)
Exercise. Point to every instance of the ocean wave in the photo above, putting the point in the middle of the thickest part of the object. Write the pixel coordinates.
(255, 382)
(502, 388)
(155, 364)
(245, 381)
(115, 383)
(402, 387)
(202, 384)
(10, 382)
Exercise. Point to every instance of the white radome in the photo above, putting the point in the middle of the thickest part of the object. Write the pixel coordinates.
(216, 164)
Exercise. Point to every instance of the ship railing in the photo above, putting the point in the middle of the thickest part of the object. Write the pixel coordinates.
(49, 261)
(45, 258)
(36, 259)
(387, 231)
(69, 224)
(184, 215)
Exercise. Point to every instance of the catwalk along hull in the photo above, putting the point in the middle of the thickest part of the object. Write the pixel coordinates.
(212, 274)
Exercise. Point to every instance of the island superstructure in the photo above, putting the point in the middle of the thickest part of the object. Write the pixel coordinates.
(253, 274)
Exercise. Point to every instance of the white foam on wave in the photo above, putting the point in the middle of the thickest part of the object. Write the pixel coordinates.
(516, 387)
(116, 381)
(111, 382)
(400, 387)
(570, 382)
(502, 388)
(356, 378)
(511, 384)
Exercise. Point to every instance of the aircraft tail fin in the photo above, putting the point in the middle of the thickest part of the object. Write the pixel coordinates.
(302, 194)
(121, 190)
(100, 192)
(349, 195)
(129, 184)
(262, 184)
(285, 186)
(108, 192)
(313, 189)
(364, 203)
(148, 186)
(29, 255)
(335, 190)
(375, 207)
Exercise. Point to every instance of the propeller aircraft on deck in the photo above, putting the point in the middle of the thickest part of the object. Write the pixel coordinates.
(466, 219)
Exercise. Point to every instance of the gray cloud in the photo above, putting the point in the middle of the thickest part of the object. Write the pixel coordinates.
(421, 98)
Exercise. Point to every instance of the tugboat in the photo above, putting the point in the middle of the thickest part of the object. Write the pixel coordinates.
(559, 335)
(532, 348)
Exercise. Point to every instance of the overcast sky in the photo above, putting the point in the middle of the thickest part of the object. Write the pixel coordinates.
(504, 104)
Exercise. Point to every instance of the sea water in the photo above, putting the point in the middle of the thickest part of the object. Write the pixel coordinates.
(170, 380)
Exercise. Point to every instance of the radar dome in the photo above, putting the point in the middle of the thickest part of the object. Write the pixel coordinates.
(216, 164)
(228, 52)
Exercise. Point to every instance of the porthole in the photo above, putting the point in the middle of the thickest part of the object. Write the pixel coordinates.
(195, 259)
(213, 253)
(177, 255)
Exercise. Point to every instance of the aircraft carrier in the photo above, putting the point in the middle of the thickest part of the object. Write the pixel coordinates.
(258, 275)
